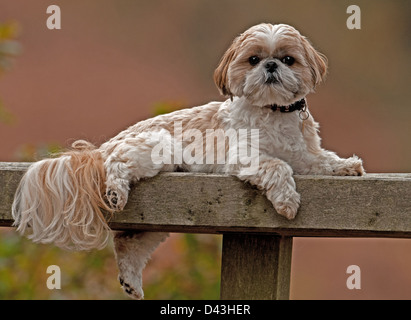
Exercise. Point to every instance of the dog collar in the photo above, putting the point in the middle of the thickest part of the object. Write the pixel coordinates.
(300, 105)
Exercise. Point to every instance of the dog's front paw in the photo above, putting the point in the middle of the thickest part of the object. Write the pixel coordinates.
(286, 204)
(288, 210)
(117, 196)
(350, 167)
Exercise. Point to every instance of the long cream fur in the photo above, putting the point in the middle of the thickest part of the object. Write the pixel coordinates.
(63, 200)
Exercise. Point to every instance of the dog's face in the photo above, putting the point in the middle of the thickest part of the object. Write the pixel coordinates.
(270, 64)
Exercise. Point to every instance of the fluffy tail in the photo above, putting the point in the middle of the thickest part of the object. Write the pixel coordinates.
(61, 200)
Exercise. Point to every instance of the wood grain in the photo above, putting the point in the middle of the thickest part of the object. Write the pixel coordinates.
(255, 267)
(376, 205)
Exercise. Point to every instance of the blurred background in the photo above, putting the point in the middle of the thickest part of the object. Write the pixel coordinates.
(114, 63)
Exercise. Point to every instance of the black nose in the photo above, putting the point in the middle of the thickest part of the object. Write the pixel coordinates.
(271, 66)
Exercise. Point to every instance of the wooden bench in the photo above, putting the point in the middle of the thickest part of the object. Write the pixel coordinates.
(257, 242)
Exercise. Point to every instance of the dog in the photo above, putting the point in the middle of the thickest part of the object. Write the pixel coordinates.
(265, 74)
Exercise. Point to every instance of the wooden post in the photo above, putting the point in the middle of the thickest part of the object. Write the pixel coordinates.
(256, 267)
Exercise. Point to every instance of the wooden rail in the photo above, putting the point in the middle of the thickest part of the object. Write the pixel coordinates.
(257, 242)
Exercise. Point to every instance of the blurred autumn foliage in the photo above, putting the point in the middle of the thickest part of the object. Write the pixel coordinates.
(9, 49)
(189, 271)
(116, 62)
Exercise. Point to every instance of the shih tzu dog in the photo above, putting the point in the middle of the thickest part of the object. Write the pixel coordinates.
(266, 74)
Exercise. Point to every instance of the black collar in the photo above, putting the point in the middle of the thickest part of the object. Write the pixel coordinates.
(299, 105)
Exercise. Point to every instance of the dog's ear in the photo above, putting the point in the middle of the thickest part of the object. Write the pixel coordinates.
(319, 68)
(220, 74)
(317, 62)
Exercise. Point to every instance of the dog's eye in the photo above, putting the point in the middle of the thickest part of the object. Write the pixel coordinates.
(288, 60)
(253, 60)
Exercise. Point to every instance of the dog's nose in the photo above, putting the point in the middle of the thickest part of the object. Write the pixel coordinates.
(271, 66)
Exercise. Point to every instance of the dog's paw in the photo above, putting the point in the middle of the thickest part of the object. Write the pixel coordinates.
(117, 196)
(134, 292)
(350, 167)
(288, 210)
(286, 204)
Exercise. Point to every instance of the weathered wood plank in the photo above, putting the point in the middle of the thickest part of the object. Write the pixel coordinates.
(10, 175)
(376, 205)
(255, 267)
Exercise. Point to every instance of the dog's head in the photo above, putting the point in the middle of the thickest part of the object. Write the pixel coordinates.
(270, 64)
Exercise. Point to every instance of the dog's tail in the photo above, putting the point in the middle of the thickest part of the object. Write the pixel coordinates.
(61, 200)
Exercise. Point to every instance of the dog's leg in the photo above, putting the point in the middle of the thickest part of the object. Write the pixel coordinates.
(130, 160)
(320, 161)
(275, 177)
(328, 163)
(132, 251)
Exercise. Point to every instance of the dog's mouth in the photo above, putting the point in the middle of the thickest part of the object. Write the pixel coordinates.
(271, 79)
